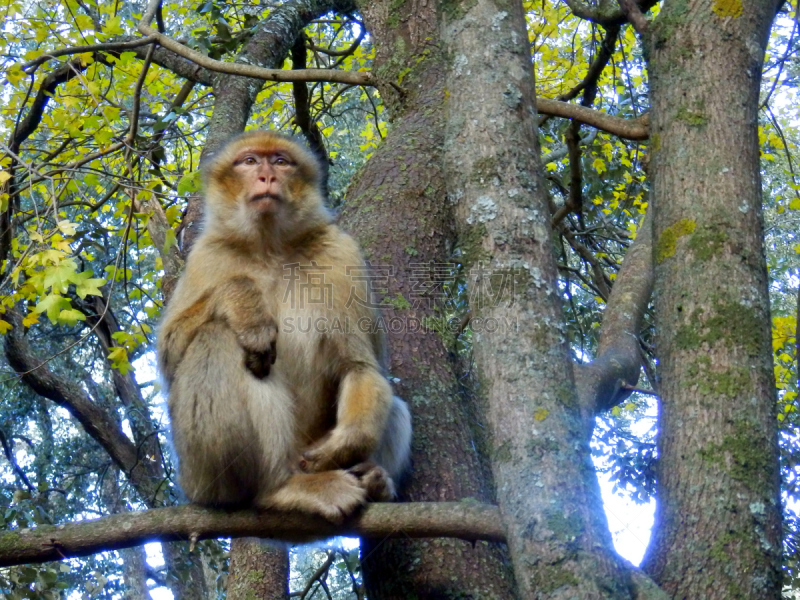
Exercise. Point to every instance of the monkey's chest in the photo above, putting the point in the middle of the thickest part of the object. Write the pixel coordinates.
(305, 362)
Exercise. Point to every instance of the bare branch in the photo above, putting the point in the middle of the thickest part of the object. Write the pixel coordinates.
(629, 129)
(330, 75)
(31, 66)
(609, 378)
(468, 521)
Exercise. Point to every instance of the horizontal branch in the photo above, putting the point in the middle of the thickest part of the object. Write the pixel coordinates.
(245, 70)
(630, 129)
(30, 66)
(464, 520)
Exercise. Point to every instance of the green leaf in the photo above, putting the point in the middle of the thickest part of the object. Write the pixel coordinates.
(189, 183)
(58, 277)
(169, 240)
(173, 213)
(70, 317)
(52, 305)
(86, 285)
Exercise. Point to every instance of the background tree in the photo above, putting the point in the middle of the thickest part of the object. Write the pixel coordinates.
(462, 198)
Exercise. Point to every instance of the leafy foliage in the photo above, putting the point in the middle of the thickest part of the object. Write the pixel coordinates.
(104, 141)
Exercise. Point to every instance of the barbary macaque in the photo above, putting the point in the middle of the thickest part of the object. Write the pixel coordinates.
(270, 350)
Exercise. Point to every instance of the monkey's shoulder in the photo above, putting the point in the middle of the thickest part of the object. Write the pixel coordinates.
(329, 244)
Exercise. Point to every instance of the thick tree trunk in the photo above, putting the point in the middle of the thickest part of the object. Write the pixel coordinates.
(258, 570)
(717, 529)
(397, 209)
(184, 575)
(134, 573)
(546, 485)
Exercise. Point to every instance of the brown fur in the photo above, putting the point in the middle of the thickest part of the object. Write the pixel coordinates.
(265, 412)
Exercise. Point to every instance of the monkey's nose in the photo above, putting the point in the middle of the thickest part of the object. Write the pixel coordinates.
(266, 175)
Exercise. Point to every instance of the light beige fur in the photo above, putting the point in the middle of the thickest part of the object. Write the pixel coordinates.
(267, 411)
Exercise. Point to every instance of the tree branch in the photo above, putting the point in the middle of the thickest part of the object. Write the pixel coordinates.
(603, 14)
(634, 15)
(31, 66)
(465, 520)
(97, 422)
(630, 129)
(244, 70)
(46, 91)
(601, 383)
(598, 65)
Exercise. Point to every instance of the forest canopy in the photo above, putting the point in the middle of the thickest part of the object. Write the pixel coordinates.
(588, 210)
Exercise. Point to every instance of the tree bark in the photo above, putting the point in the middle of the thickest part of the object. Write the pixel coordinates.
(135, 574)
(402, 184)
(547, 489)
(258, 570)
(717, 532)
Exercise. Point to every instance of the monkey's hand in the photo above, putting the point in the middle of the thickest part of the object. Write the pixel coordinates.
(376, 481)
(342, 448)
(259, 344)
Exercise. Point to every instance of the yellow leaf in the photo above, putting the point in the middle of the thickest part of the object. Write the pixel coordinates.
(30, 320)
(5, 326)
(66, 227)
(14, 74)
(112, 26)
(541, 414)
(83, 21)
(599, 165)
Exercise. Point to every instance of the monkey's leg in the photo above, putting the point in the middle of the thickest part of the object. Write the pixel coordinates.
(234, 433)
(335, 495)
(390, 460)
(240, 302)
(176, 335)
(363, 406)
(394, 451)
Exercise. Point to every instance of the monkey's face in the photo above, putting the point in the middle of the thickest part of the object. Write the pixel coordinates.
(262, 183)
(264, 177)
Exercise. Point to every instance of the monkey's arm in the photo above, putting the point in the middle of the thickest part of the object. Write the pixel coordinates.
(177, 332)
(240, 304)
(363, 405)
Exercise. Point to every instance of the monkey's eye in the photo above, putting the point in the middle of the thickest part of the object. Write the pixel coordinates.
(250, 160)
(281, 161)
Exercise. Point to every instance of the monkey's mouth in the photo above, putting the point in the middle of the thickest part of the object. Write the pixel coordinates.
(265, 202)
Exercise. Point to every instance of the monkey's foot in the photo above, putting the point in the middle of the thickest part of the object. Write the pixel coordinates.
(376, 481)
(335, 495)
(259, 343)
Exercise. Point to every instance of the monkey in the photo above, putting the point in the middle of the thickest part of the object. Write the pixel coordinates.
(270, 355)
